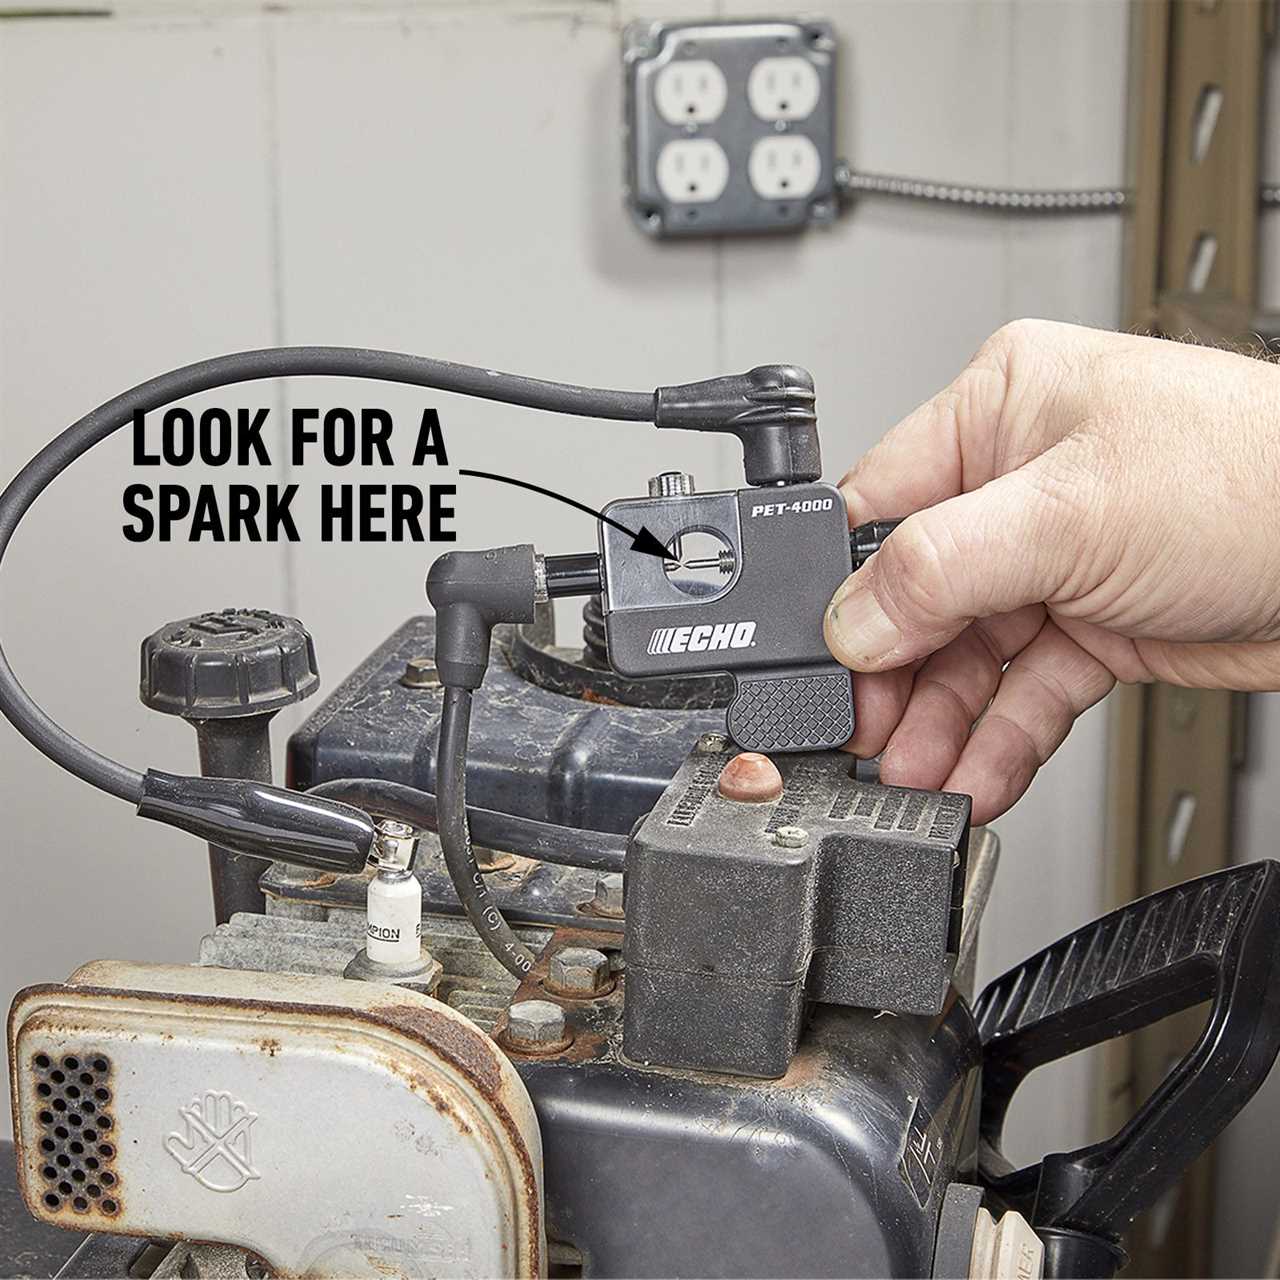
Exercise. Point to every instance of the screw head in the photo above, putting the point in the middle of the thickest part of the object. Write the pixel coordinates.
(671, 484)
(579, 971)
(535, 1024)
(711, 744)
(420, 673)
(608, 896)
(791, 837)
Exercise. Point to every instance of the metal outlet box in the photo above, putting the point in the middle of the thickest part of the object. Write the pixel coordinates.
(730, 126)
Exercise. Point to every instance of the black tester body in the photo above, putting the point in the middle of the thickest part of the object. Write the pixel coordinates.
(771, 558)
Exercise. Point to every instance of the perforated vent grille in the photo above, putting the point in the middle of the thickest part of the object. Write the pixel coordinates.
(77, 1141)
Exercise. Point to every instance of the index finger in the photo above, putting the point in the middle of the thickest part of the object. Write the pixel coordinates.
(939, 450)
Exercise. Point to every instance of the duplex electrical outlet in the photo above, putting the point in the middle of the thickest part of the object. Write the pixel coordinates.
(786, 167)
(784, 88)
(692, 91)
(730, 126)
(692, 170)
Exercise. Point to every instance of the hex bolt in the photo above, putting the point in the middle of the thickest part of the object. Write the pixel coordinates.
(420, 673)
(579, 971)
(790, 837)
(535, 1024)
(608, 896)
(712, 744)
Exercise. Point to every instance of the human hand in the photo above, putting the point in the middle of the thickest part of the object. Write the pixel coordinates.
(1089, 507)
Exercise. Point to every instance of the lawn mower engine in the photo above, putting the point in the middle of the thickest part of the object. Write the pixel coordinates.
(596, 960)
(754, 1053)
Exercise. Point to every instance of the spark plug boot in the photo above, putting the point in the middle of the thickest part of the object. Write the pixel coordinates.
(471, 592)
(771, 409)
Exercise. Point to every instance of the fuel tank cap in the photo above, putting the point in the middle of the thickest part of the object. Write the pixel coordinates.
(230, 662)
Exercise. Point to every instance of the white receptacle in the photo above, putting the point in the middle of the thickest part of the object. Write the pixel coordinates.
(690, 91)
(783, 88)
(692, 171)
(787, 167)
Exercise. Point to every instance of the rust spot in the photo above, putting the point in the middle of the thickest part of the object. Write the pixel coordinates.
(270, 1046)
(584, 1047)
(581, 1045)
(464, 1047)
(321, 881)
(590, 695)
(460, 1044)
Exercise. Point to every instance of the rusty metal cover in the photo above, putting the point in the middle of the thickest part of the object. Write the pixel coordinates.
(331, 1127)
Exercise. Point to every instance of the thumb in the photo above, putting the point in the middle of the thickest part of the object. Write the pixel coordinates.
(1005, 545)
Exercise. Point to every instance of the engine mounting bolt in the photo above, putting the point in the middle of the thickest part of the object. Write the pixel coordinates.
(535, 1024)
(711, 744)
(420, 673)
(750, 778)
(791, 837)
(579, 971)
(608, 895)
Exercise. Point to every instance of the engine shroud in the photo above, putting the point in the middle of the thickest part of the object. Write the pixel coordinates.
(534, 749)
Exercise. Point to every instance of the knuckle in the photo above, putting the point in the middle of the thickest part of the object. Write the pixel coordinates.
(1014, 336)
(918, 575)
(856, 504)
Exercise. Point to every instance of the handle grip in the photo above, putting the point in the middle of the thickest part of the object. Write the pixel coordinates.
(791, 709)
(1217, 937)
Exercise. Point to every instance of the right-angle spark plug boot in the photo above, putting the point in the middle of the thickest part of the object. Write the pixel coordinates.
(771, 409)
(472, 591)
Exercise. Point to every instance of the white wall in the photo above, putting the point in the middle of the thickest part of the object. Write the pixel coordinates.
(179, 180)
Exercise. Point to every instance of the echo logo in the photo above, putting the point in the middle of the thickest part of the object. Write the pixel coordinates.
(725, 635)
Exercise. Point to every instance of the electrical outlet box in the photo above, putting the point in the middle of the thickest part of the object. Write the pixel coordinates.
(730, 126)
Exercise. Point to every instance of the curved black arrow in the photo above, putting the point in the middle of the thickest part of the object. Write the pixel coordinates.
(644, 541)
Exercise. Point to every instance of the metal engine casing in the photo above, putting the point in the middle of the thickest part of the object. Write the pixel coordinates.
(838, 1167)
(334, 1128)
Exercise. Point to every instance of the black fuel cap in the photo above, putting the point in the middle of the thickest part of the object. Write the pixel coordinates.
(233, 662)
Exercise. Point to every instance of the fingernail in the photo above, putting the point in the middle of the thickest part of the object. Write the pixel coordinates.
(861, 629)
(843, 590)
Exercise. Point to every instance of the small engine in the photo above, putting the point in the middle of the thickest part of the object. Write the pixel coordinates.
(594, 960)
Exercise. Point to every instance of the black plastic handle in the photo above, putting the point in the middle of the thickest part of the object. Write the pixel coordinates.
(1216, 938)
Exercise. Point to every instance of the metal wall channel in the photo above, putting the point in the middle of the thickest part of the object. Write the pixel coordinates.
(1194, 130)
